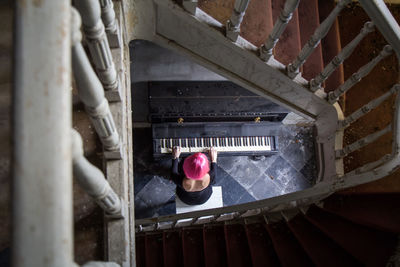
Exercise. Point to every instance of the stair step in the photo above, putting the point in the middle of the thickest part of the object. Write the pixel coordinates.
(331, 46)
(289, 44)
(154, 249)
(140, 251)
(237, 249)
(321, 249)
(379, 211)
(261, 247)
(214, 246)
(308, 23)
(192, 244)
(369, 246)
(287, 248)
(257, 22)
(172, 249)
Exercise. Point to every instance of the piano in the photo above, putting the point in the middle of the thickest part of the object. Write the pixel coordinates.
(200, 115)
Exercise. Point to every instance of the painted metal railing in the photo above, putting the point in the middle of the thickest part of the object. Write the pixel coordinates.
(97, 41)
(42, 171)
(233, 24)
(279, 27)
(320, 32)
(91, 92)
(383, 20)
(316, 83)
(46, 154)
(92, 180)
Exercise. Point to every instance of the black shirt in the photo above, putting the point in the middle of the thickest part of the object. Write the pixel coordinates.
(192, 198)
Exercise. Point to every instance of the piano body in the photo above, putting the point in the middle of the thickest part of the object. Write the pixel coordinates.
(199, 115)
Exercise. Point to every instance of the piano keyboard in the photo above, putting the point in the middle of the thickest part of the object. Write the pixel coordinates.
(221, 144)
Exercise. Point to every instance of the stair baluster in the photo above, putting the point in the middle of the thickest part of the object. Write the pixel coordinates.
(320, 32)
(92, 180)
(362, 142)
(110, 23)
(285, 16)
(369, 166)
(91, 91)
(233, 24)
(316, 83)
(367, 108)
(361, 73)
(41, 199)
(97, 41)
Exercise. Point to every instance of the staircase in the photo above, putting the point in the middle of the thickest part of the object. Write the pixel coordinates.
(325, 236)
(341, 230)
(349, 217)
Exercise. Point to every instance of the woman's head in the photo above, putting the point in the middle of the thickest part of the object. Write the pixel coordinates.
(196, 166)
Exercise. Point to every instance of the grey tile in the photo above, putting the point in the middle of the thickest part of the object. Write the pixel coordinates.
(280, 167)
(140, 180)
(296, 155)
(228, 163)
(309, 170)
(142, 209)
(245, 172)
(245, 198)
(168, 208)
(264, 188)
(297, 182)
(264, 162)
(157, 192)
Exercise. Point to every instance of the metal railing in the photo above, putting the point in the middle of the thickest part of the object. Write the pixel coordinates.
(47, 154)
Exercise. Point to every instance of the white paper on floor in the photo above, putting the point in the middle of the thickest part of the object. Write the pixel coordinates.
(215, 201)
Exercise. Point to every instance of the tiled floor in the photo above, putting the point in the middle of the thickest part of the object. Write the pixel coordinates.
(243, 179)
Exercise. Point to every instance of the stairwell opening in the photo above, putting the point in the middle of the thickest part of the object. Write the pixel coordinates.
(166, 88)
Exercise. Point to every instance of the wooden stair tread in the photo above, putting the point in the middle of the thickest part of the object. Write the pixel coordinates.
(257, 22)
(237, 249)
(369, 246)
(154, 249)
(140, 251)
(379, 211)
(331, 46)
(192, 244)
(320, 248)
(308, 23)
(214, 246)
(287, 248)
(172, 244)
(289, 45)
(261, 247)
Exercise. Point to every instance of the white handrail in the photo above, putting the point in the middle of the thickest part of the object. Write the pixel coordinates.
(42, 163)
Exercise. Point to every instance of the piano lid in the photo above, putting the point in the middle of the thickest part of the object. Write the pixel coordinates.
(207, 101)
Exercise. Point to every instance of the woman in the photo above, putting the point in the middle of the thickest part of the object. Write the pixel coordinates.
(194, 179)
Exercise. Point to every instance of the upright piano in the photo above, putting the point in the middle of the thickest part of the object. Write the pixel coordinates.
(220, 114)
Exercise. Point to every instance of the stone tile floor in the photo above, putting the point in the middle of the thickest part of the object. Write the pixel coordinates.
(243, 179)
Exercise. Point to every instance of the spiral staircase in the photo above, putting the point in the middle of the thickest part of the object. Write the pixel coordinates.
(346, 229)
(333, 64)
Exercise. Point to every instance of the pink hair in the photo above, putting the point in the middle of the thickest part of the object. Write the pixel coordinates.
(196, 166)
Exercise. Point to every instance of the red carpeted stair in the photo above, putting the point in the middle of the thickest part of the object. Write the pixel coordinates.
(319, 238)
